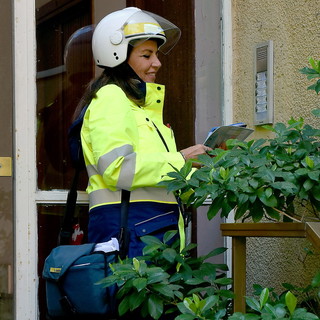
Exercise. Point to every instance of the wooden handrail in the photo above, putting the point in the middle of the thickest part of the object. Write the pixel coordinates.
(240, 231)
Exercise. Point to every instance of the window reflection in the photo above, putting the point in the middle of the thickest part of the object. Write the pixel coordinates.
(64, 67)
(6, 251)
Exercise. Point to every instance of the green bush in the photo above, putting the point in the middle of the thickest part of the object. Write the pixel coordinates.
(271, 178)
(164, 281)
(267, 309)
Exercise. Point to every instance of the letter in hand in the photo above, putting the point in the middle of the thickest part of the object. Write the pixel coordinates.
(194, 151)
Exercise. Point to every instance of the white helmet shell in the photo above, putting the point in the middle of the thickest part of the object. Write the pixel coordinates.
(115, 31)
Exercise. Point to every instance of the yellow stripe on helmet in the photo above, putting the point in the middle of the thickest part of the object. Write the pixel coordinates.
(142, 28)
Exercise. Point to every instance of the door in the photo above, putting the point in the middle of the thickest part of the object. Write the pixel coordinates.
(64, 67)
(6, 183)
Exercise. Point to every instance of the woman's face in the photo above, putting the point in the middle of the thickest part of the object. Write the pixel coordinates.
(144, 60)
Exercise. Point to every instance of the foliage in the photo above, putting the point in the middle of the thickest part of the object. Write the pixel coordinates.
(308, 296)
(264, 178)
(257, 178)
(265, 309)
(313, 73)
(165, 281)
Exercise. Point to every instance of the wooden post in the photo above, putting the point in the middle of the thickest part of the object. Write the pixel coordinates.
(239, 273)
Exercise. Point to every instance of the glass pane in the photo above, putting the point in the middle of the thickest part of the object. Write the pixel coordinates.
(6, 249)
(49, 221)
(63, 69)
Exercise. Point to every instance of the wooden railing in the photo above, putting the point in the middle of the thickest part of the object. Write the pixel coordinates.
(240, 231)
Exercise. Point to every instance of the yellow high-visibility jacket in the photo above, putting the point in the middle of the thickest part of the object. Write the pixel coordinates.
(123, 150)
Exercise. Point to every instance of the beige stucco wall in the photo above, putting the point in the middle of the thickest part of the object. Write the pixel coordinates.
(294, 28)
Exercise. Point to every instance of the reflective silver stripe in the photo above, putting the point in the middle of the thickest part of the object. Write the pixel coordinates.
(91, 170)
(105, 196)
(127, 172)
(106, 159)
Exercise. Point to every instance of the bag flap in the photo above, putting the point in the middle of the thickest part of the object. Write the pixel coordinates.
(62, 257)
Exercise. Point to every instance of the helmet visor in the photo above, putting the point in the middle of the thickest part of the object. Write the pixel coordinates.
(147, 25)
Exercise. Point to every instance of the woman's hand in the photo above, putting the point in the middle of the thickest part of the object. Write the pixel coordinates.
(193, 152)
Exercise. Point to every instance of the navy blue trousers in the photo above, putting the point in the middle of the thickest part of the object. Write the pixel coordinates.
(144, 218)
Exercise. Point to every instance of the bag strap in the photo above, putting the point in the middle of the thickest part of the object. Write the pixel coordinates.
(66, 227)
(67, 223)
(124, 235)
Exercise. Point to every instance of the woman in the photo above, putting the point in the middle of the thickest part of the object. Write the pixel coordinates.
(126, 146)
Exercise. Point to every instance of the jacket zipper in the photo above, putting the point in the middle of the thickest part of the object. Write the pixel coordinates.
(159, 133)
(161, 136)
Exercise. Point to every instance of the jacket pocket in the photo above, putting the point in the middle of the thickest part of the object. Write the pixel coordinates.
(157, 224)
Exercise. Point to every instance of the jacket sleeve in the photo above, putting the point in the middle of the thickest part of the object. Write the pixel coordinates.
(111, 143)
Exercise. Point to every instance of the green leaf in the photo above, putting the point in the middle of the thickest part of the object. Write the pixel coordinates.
(214, 207)
(186, 169)
(314, 175)
(155, 306)
(136, 264)
(308, 184)
(268, 192)
(291, 302)
(151, 240)
(188, 303)
(270, 309)
(302, 314)
(253, 303)
(316, 112)
(194, 281)
(241, 316)
(316, 280)
(215, 252)
(264, 296)
(186, 316)
(270, 201)
(156, 275)
(226, 207)
(256, 211)
(176, 185)
(280, 311)
(314, 64)
(241, 210)
(223, 173)
(223, 281)
(169, 254)
(254, 183)
(210, 302)
(136, 299)
(140, 283)
(164, 289)
(169, 235)
(148, 249)
(196, 300)
(316, 192)
(309, 162)
(273, 213)
(185, 196)
(124, 306)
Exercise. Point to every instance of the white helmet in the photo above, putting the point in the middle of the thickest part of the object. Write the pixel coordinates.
(115, 31)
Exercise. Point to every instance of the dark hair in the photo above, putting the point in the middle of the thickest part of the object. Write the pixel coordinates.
(122, 76)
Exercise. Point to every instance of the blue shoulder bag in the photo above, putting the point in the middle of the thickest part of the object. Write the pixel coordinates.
(71, 272)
